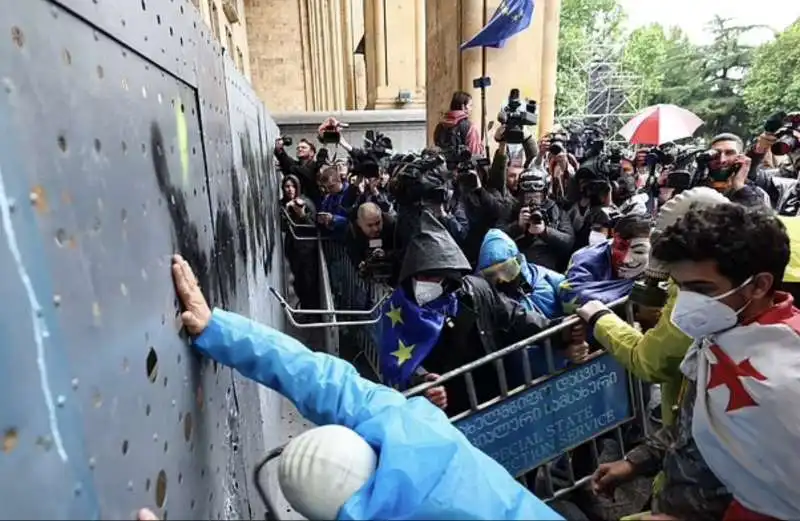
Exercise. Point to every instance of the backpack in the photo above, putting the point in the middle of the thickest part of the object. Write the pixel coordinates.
(449, 139)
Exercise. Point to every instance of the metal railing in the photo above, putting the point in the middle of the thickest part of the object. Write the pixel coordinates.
(539, 428)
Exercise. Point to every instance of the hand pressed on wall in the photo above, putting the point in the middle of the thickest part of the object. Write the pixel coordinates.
(197, 314)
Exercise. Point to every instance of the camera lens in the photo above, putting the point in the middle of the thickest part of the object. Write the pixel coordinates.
(784, 145)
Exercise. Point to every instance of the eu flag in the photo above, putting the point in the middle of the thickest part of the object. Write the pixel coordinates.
(590, 277)
(510, 18)
(409, 333)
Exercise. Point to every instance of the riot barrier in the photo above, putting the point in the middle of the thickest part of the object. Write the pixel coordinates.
(534, 429)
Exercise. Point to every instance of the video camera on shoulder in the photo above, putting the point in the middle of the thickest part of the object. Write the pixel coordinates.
(787, 142)
(516, 115)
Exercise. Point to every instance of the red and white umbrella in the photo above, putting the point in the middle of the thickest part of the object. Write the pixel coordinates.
(660, 124)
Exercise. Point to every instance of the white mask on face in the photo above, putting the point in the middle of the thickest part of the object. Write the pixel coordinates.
(699, 315)
(596, 238)
(425, 291)
(636, 259)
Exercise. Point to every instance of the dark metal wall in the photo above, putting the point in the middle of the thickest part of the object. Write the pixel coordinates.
(125, 136)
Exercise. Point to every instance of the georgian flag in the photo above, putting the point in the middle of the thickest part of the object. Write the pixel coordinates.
(747, 412)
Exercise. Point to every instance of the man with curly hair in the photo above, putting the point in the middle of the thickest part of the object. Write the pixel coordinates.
(741, 374)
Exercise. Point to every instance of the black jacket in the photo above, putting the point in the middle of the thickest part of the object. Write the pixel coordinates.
(485, 322)
(305, 171)
(551, 250)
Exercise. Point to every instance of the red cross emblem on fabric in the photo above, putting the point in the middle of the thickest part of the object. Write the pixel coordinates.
(728, 373)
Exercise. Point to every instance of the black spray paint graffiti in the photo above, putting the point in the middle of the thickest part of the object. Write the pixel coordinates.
(215, 270)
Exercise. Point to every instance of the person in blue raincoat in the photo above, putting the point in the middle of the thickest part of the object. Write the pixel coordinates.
(425, 468)
(536, 288)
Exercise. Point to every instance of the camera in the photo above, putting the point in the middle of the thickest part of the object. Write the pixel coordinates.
(331, 134)
(558, 143)
(286, 140)
(711, 170)
(787, 142)
(659, 156)
(420, 179)
(515, 115)
(377, 265)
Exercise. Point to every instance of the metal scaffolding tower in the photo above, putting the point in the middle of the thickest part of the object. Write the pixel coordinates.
(608, 95)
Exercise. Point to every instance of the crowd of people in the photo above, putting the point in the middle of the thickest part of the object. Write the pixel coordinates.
(479, 254)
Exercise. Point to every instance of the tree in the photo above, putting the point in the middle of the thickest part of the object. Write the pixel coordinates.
(727, 62)
(773, 82)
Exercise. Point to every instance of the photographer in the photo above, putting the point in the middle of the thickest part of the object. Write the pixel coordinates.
(333, 214)
(370, 241)
(781, 137)
(726, 168)
(301, 254)
(541, 229)
(418, 186)
(304, 168)
(596, 198)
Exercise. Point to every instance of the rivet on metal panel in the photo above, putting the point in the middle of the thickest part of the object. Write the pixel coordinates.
(92, 463)
(56, 300)
(78, 489)
(8, 86)
(61, 400)
(75, 383)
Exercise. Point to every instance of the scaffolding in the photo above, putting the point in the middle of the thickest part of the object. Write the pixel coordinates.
(605, 95)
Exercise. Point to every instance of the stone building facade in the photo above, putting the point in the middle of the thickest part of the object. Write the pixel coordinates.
(337, 55)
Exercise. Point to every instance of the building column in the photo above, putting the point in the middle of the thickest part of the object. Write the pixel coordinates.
(519, 64)
(395, 62)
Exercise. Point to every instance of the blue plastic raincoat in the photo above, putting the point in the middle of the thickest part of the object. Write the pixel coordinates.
(426, 468)
(498, 247)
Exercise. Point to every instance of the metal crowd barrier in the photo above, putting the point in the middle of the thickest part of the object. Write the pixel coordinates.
(538, 429)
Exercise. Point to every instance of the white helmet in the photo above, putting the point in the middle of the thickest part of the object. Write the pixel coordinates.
(672, 211)
(322, 468)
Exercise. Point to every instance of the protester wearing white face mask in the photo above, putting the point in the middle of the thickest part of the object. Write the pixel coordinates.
(449, 316)
(741, 386)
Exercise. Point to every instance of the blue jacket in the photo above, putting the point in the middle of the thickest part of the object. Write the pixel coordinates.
(499, 247)
(333, 204)
(426, 468)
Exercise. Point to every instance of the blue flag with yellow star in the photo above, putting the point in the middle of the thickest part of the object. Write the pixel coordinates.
(409, 332)
(590, 277)
(510, 18)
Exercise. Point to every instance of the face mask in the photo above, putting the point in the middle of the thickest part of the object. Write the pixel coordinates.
(425, 292)
(596, 238)
(699, 315)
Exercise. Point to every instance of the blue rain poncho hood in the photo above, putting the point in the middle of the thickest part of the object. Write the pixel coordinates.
(498, 247)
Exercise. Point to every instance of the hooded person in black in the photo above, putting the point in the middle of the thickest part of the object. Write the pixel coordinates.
(300, 245)
(485, 321)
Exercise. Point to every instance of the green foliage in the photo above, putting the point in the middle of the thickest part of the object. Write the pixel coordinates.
(731, 86)
(774, 82)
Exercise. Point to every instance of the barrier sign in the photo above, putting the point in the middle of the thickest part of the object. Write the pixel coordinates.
(540, 423)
